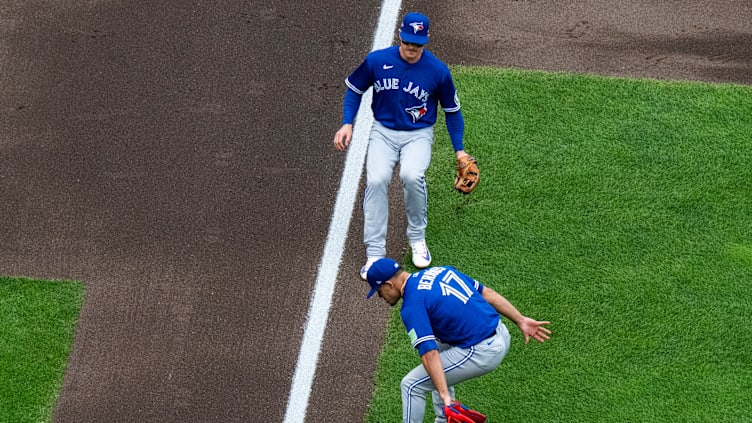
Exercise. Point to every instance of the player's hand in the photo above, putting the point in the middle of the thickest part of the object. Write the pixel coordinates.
(343, 137)
(532, 328)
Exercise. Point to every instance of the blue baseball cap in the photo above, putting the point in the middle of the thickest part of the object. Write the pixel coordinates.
(414, 28)
(381, 270)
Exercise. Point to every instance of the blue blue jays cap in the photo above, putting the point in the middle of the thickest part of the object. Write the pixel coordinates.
(414, 28)
(381, 270)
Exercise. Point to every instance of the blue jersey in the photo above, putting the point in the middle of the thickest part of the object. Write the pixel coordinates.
(442, 304)
(405, 96)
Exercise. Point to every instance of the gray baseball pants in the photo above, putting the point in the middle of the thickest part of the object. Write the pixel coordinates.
(387, 148)
(460, 364)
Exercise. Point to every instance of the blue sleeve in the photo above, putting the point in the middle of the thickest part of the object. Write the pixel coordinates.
(455, 124)
(357, 83)
(427, 346)
(351, 104)
(418, 325)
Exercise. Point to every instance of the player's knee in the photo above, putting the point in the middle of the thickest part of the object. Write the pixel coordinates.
(405, 384)
(379, 179)
(410, 386)
(412, 178)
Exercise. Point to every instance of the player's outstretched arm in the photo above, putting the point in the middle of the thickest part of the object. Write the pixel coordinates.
(530, 328)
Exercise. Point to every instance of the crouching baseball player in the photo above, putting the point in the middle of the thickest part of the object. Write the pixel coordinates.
(454, 322)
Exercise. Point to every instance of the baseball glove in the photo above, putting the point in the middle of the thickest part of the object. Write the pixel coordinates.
(459, 413)
(468, 175)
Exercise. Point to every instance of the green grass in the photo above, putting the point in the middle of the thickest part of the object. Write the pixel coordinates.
(620, 210)
(37, 322)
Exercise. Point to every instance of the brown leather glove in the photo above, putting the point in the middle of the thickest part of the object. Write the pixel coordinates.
(468, 175)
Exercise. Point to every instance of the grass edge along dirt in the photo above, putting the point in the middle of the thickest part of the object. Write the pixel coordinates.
(37, 325)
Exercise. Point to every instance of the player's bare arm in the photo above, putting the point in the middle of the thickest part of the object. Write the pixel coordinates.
(432, 363)
(343, 137)
(530, 328)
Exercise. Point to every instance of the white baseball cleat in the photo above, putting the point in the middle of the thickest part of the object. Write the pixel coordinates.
(364, 269)
(421, 255)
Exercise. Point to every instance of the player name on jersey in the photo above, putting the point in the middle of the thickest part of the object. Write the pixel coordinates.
(426, 281)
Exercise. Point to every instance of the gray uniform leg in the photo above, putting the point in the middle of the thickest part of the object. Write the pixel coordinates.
(460, 364)
(382, 156)
(415, 158)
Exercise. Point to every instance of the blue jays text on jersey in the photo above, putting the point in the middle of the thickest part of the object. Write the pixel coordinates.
(394, 84)
(405, 96)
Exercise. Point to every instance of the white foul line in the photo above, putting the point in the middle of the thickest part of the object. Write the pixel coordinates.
(318, 312)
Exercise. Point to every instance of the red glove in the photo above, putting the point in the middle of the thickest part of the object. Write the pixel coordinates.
(457, 412)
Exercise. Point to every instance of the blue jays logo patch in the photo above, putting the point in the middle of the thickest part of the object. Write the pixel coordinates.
(417, 112)
(417, 26)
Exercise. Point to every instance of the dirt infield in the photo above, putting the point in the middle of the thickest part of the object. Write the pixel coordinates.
(685, 40)
(176, 157)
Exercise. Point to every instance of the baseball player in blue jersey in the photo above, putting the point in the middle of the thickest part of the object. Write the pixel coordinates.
(454, 322)
(408, 83)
